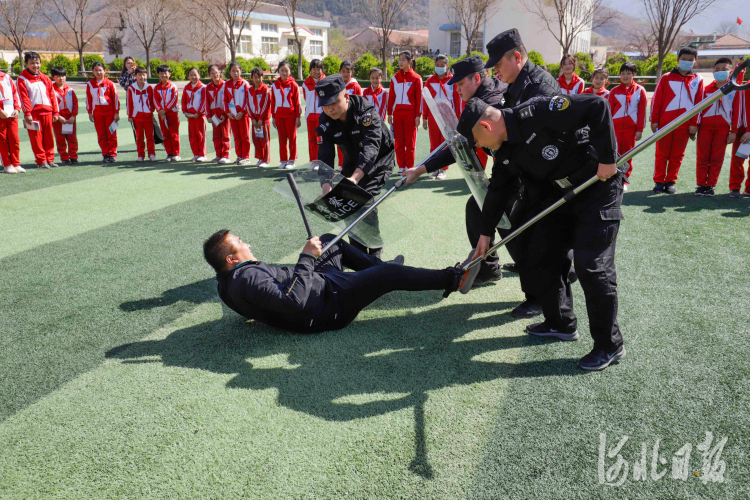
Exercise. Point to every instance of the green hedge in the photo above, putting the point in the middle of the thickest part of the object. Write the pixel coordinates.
(292, 60)
(331, 64)
(364, 64)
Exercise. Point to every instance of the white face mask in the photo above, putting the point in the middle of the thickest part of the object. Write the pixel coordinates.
(440, 70)
(686, 65)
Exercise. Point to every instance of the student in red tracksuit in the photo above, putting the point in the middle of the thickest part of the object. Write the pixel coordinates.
(236, 95)
(286, 112)
(713, 132)
(165, 103)
(375, 93)
(675, 93)
(140, 105)
(103, 105)
(628, 104)
(599, 83)
(312, 109)
(346, 69)
(9, 141)
(194, 109)
(570, 83)
(404, 109)
(741, 129)
(67, 104)
(39, 105)
(438, 86)
(259, 104)
(215, 108)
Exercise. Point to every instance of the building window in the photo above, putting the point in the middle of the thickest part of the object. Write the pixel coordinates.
(271, 28)
(476, 42)
(269, 45)
(316, 48)
(246, 44)
(237, 25)
(317, 32)
(455, 43)
(291, 45)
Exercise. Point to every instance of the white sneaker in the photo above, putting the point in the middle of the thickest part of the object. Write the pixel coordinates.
(10, 170)
(440, 174)
(625, 187)
(263, 164)
(245, 161)
(433, 175)
(258, 163)
(283, 165)
(289, 165)
(20, 169)
(314, 165)
(401, 171)
(177, 158)
(223, 161)
(44, 166)
(140, 158)
(152, 157)
(200, 159)
(195, 158)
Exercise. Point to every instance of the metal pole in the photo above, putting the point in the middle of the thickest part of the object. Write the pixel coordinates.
(724, 90)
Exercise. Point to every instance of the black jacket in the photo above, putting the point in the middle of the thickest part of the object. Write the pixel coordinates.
(548, 143)
(532, 81)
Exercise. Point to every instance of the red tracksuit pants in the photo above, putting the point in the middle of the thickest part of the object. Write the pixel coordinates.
(170, 129)
(712, 145)
(221, 139)
(241, 134)
(312, 138)
(9, 143)
(625, 142)
(287, 135)
(736, 168)
(144, 136)
(263, 144)
(405, 137)
(67, 144)
(436, 136)
(669, 154)
(107, 140)
(42, 140)
(197, 135)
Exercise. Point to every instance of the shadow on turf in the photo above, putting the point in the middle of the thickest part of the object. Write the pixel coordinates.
(373, 367)
(687, 202)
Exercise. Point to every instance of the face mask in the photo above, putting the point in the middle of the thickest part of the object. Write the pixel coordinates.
(720, 76)
(440, 71)
(686, 65)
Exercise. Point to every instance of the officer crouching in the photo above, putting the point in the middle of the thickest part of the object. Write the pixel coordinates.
(563, 140)
(354, 125)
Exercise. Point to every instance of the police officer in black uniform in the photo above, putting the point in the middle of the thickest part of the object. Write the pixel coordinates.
(559, 142)
(354, 125)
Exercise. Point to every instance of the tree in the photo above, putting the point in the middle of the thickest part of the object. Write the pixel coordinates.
(643, 42)
(667, 17)
(290, 7)
(79, 24)
(232, 16)
(204, 34)
(385, 15)
(566, 20)
(471, 15)
(147, 19)
(728, 28)
(16, 19)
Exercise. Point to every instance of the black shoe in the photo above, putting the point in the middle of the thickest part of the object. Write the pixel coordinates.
(669, 188)
(659, 187)
(398, 260)
(73, 161)
(484, 276)
(543, 330)
(511, 267)
(105, 159)
(463, 280)
(709, 191)
(735, 193)
(528, 309)
(701, 190)
(599, 359)
(112, 159)
(65, 162)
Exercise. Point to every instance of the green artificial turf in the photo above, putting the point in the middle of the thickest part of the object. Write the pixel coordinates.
(123, 376)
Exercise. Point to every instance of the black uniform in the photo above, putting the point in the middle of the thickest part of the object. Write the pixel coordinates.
(549, 144)
(366, 143)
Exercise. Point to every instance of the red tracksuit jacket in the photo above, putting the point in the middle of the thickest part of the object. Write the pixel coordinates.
(628, 105)
(312, 103)
(719, 115)
(285, 99)
(378, 98)
(601, 92)
(260, 103)
(440, 90)
(140, 103)
(575, 87)
(405, 94)
(101, 97)
(194, 98)
(165, 97)
(67, 101)
(36, 94)
(674, 95)
(236, 93)
(741, 110)
(215, 99)
(9, 94)
(353, 87)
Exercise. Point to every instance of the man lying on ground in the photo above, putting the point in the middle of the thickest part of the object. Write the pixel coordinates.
(316, 295)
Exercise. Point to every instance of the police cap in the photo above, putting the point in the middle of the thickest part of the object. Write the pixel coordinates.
(502, 43)
(466, 67)
(329, 88)
(470, 116)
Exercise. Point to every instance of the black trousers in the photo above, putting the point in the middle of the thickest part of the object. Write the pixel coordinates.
(372, 278)
(587, 225)
(373, 184)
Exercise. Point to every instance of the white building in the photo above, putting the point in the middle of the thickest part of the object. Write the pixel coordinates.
(446, 36)
(267, 33)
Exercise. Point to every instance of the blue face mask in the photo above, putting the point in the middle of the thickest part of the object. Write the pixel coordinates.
(720, 76)
(686, 65)
(440, 71)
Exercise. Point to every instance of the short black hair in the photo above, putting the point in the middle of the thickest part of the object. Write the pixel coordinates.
(345, 64)
(520, 49)
(565, 58)
(57, 71)
(216, 249)
(139, 70)
(316, 63)
(629, 66)
(406, 53)
(688, 51)
(233, 64)
(212, 66)
(98, 64)
(196, 69)
(600, 71)
(31, 55)
(256, 71)
(284, 63)
(163, 68)
(723, 60)
(442, 57)
(375, 70)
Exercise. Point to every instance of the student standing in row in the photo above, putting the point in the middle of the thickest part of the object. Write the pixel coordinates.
(165, 102)
(286, 112)
(438, 86)
(140, 106)
(67, 103)
(103, 105)
(260, 116)
(236, 95)
(376, 94)
(404, 106)
(599, 83)
(215, 114)
(569, 82)
(39, 109)
(628, 104)
(194, 109)
(312, 109)
(9, 142)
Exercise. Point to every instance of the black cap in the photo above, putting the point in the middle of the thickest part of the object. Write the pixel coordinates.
(470, 116)
(501, 44)
(329, 88)
(465, 67)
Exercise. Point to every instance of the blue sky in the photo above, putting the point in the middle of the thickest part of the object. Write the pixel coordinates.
(726, 10)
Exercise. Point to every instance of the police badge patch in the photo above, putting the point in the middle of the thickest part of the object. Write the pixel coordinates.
(550, 152)
(366, 119)
(559, 103)
(321, 93)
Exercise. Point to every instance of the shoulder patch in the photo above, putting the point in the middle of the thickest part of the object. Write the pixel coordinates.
(559, 103)
(366, 119)
(526, 112)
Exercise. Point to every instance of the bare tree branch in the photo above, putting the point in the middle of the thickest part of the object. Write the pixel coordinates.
(290, 7)
(224, 13)
(384, 15)
(728, 28)
(205, 36)
(147, 19)
(471, 15)
(16, 19)
(643, 42)
(79, 24)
